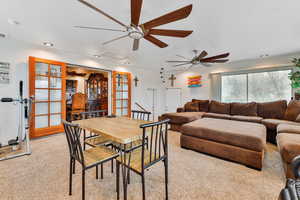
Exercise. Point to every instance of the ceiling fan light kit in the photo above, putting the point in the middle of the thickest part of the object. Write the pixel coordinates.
(138, 31)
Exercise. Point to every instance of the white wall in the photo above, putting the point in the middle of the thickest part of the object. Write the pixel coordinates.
(17, 53)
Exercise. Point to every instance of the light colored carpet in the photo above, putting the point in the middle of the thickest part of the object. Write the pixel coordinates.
(44, 175)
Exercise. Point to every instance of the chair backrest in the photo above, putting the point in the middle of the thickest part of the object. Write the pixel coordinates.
(156, 135)
(142, 115)
(92, 114)
(78, 101)
(73, 132)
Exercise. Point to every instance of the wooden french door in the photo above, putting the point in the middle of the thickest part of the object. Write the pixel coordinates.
(47, 87)
(121, 82)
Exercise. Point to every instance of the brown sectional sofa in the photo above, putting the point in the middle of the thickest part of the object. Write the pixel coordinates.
(288, 141)
(270, 114)
(277, 116)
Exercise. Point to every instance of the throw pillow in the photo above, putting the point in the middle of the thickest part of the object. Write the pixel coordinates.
(191, 107)
(203, 105)
(218, 107)
(292, 111)
(272, 110)
(244, 109)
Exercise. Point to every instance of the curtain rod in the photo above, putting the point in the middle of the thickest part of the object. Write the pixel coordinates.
(254, 68)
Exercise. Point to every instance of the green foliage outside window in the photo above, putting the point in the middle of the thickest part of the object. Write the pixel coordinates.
(295, 76)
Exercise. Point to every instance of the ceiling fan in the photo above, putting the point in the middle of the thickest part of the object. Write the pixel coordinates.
(200, 59)
(138, 31)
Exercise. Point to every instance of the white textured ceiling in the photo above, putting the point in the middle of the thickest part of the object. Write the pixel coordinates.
(245, 28)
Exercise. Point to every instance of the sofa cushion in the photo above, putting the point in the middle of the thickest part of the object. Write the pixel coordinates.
(191, 107)
(217, 116)
(181, 118)
(272, 110)
(218, 107)
(247, 118)
(244, 109)
(288, 128)
(292, 111)
(247, 135)
(203, 105)
(289, 146)
(273, 123)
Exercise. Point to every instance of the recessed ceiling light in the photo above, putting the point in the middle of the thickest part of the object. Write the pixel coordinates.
(97, 56)
(264, 55)
(13, 22)
(48, 44)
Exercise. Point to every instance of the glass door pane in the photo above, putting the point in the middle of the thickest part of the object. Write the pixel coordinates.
(55, 120)
(55, 107)
(41, 108)
(55, 70)
(55, 83)
(41, 95)
(55, 95)
(41, 121)
(41, 82)
(41, 68)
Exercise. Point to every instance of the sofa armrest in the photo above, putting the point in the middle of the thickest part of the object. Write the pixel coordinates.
(288, 128)
(180, 110)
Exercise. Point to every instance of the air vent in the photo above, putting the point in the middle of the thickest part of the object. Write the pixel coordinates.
(2, 35)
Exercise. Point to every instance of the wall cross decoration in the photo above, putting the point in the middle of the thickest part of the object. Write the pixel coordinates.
(172, 79)
(119, 79)
(136, 80)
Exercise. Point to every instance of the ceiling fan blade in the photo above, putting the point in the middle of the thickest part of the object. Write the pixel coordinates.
(173, 61)
(182, 57)
(118, 38)
(170, 33)
(103, 13)
(170, 17)
(181, 64)
(225, 55)
(202, 55)
(136, 8)
(155, 41)
(97, 28)
(136, 44)
(217, 61)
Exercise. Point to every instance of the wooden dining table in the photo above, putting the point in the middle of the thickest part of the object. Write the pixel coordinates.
(122, 130)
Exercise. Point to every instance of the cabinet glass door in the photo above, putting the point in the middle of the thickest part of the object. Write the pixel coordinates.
(47, 88)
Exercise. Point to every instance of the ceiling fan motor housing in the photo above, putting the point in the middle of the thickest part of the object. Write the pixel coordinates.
(135, 33)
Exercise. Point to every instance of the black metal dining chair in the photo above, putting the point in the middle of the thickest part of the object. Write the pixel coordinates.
(139, 160)
(89, 158)
(137, 115)
(141, 115)
(94, 140)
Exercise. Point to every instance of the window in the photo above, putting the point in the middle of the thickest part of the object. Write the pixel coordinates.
(256, 86)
